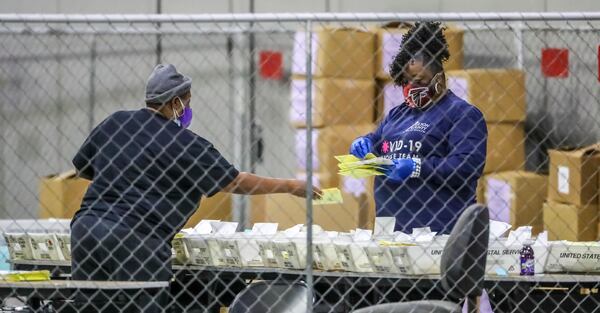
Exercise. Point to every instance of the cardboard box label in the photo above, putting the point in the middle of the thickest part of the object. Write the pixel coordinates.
(574, 257)
(390, 47)
(301, 149)
(498, 198)
(298, 96)
(563, 179)
(392, 97)
(299, 52)
(459, 86)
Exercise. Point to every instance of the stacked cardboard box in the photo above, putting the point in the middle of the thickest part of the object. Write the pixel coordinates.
(357, 210)
(571, 212)
(61, 194)
(343, 79)
(516, 197)
(500, 95)
(342, 93)
(326, 143)
(288, 210)
(389, 41)
(341, 52)
(335, 101)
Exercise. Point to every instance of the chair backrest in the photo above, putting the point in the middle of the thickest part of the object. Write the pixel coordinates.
(272, 297)
(464, 256)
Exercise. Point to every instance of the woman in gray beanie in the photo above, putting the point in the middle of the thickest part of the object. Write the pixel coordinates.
(148, 175)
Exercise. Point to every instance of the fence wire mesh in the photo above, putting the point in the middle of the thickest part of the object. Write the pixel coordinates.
(497, 109)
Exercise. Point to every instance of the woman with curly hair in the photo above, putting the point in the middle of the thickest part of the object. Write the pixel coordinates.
(436, 140)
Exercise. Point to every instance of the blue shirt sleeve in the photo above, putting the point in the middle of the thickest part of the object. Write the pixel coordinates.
(208, 168)
(467, 142)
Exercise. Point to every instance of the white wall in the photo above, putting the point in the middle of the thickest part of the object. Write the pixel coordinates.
(212, 6)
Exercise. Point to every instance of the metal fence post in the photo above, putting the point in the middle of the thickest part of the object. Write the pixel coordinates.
(309, 166)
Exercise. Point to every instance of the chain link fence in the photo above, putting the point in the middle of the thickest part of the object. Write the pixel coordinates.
(282, 95)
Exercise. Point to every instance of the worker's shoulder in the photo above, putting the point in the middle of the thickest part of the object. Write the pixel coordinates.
(126, 114)
(119, 117)
(462, 107)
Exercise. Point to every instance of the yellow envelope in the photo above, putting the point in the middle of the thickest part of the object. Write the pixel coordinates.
(347, 158)
(330, 196)
(360, 173)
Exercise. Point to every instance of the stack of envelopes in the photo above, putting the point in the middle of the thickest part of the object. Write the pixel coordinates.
(372, 165)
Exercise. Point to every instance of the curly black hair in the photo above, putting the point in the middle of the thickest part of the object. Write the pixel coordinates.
(424, 41)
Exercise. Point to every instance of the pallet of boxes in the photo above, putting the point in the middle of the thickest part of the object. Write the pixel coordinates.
(571, 212)
(342, 93)
(512, 195)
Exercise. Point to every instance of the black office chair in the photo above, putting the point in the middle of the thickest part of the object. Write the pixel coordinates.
(271, 297)
(462, 268)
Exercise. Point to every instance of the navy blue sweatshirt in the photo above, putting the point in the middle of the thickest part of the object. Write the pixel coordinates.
(449, 138)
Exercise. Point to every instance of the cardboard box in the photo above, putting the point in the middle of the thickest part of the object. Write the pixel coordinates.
(45, 247)
(61, 195)
(504, 255)
(353, 255)
(570, 222)
(334, 101)
(499, 93)
(326, 144)
(339, 52)
(574, 257)
(505, 147)
(389, 41)
(574, 175)
(199, 251)
(217, 207)
(321, 180)
(19, 247)
(363, 190)
(480, 191)
(64, 244)
(388, 96)
(517, 198)
(289, 210)
(425, 258)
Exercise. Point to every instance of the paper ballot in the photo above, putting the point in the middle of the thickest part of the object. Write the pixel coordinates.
(352, 166)
(330, 196)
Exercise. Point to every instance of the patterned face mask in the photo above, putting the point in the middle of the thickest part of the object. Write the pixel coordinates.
(420, 96)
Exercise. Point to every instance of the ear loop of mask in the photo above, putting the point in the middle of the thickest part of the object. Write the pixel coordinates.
(175, 111)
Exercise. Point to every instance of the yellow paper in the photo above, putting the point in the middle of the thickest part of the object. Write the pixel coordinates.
(352, 166)
(330, 196)
(360, 173)
(26, 276)
(351, 158)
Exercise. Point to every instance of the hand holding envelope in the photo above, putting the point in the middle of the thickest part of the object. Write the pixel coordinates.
(329, 196)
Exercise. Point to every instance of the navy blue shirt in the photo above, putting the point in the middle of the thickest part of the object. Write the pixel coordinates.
(147, 173)
(450, 140)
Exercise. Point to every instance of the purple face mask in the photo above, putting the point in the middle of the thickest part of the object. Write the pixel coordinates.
(185, 119)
